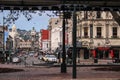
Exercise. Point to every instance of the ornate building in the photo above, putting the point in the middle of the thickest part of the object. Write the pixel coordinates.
(34, 39)
(96, 30)
(14, 34)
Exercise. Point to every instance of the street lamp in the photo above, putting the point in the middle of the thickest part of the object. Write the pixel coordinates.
(3, 40)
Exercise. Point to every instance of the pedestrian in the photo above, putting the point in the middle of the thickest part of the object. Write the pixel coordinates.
(58, 56)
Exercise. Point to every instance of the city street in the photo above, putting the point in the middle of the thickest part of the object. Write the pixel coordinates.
(53, 73)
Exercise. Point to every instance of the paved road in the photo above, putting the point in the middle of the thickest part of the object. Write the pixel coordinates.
(53, 73)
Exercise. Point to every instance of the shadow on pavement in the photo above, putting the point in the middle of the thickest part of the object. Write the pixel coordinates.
(8, 70)
(117, 69)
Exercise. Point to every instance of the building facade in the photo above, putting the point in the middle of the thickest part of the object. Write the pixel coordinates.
(56, 32)
(96, 30)
(15, 36)
(44, 40)
(1, 38)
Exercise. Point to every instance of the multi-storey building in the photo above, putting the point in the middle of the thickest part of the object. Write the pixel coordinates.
(98, 30)
(25, 45)
(44, 40)
(1, 38)
(55, 25)
(14, 34)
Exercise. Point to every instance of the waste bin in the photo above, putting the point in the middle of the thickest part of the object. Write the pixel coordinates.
(95, 60)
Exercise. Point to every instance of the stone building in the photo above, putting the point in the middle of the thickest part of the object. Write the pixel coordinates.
(96, 30)
(15, 36)
(1, 38)
(55, 25)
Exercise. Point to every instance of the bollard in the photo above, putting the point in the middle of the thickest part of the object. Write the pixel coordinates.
(95, 60)
(116, 60)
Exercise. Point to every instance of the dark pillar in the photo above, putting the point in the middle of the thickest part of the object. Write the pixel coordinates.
(74, 42)
(63, 65)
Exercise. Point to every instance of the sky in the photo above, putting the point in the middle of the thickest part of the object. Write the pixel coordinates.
(39, 22)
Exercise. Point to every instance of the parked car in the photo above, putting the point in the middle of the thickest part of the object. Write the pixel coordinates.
(44, 58)
(50, 58)
(16, 60)
(31, 54)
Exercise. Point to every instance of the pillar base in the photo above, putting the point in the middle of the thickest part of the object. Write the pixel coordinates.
(63, 68)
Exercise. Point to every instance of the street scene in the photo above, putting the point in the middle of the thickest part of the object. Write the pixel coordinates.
(59, 40)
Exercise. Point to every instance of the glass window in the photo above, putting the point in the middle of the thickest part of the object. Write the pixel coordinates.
(98, 14)
(114, 30)
(99, 30)
(85, 32)
(85, 15)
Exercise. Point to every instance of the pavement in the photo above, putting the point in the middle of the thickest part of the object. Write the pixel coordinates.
(53, 73)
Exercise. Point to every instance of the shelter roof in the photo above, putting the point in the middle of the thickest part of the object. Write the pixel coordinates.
(56, 3)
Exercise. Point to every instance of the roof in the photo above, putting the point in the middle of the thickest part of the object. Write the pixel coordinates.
(57, 4)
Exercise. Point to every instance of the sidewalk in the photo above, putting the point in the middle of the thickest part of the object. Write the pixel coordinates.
(53, 73)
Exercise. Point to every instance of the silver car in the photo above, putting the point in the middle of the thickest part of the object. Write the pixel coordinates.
(51, 58)
(15, 59)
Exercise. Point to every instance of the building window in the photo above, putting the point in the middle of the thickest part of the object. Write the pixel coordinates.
(85, 32)
(47, 45)
(114, 32)
(99, 30)
(85, 15)
(98, 14)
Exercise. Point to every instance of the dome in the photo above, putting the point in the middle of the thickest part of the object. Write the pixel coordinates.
(14, 28)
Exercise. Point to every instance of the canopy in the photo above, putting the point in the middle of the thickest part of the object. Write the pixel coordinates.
(55, 4)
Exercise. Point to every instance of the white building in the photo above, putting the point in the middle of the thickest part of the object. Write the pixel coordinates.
(14, 34)
(56, 32)
(94, 29)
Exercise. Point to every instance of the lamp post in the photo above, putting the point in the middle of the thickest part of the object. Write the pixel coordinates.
(74, 42)
(63, 65)
(3, 40)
